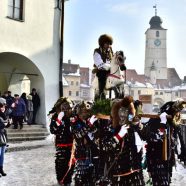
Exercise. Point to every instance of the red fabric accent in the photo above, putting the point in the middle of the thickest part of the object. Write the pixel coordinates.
(73, 162)
(84, 158)
(162, 129)
(58, 121)
(118, 137)
(114, 76)
(64, 145)
(89, 123)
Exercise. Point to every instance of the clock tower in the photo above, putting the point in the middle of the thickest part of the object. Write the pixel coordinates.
(156, 49)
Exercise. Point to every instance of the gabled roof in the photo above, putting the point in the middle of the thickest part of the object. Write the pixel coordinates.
(132, 75)
(172, 79)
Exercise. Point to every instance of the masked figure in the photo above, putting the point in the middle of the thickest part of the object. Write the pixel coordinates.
(85, 149)
(60, 127)
(125, 146)
(163, 141)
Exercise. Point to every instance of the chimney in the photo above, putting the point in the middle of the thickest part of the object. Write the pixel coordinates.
(69, 61)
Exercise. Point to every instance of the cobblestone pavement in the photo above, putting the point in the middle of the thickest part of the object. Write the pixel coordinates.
(35, 167)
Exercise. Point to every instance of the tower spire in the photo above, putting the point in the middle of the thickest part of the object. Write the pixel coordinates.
(155, 7)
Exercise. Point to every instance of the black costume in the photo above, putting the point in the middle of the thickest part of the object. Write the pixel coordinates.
(125, 160)
(63, 143)
(161, 145)
(86, 154)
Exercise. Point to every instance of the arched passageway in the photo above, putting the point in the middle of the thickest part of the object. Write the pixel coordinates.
(19, 74)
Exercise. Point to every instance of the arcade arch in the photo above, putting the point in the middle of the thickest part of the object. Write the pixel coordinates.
(19, 74)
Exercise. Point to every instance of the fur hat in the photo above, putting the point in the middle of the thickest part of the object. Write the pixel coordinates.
(105, 39)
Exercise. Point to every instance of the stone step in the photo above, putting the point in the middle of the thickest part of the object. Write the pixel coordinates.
(25, 134)
(26, 138)
(28, 145)
(29, 126)
(9, 131)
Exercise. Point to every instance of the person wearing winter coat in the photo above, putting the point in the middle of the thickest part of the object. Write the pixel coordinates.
(19, 111)
(36, 104)
(30, 109)
(3, 135)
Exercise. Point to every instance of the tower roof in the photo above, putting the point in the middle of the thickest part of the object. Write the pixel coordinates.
(155, 22)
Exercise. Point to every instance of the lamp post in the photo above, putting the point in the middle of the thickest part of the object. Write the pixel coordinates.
(61, 50)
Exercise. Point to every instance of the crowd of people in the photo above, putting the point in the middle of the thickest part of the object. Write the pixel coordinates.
(114, 150)
(14, 111)
(22, 108)
(98, 151)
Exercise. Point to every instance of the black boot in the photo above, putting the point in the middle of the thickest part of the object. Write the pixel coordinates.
(2, 172)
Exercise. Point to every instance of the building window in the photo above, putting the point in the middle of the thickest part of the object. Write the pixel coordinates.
(157, 33)
(77, 83)
(85, 93)
(15, 9)
(70, 93)
(139, 92)
(156, 93)
(77, 93)
(161, 93)
(72, 83)
(176, 94)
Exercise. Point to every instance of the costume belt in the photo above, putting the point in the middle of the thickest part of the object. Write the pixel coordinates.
(127, 173)
(64, 145)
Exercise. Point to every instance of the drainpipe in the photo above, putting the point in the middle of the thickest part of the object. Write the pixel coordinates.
(61, 51)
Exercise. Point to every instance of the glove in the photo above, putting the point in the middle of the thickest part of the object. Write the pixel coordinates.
(92, 120)
(163, 118)
(121, 133)
(59, 118)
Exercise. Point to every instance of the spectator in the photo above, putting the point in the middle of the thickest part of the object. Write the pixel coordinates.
(29, 109)
(9, 101)
(36, 104)
(23, 96)
(3, 135)
(19, 110)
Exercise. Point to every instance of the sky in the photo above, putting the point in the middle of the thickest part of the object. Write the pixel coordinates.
(126, 21)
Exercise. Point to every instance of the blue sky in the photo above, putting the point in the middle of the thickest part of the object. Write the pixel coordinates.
(126, 21)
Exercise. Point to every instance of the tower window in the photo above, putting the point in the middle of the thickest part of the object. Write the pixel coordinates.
(15, 9)
(157, 33)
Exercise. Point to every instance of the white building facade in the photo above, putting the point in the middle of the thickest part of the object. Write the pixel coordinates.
(29, 48)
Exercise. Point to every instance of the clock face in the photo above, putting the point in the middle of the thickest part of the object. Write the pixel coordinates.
(157, 42)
